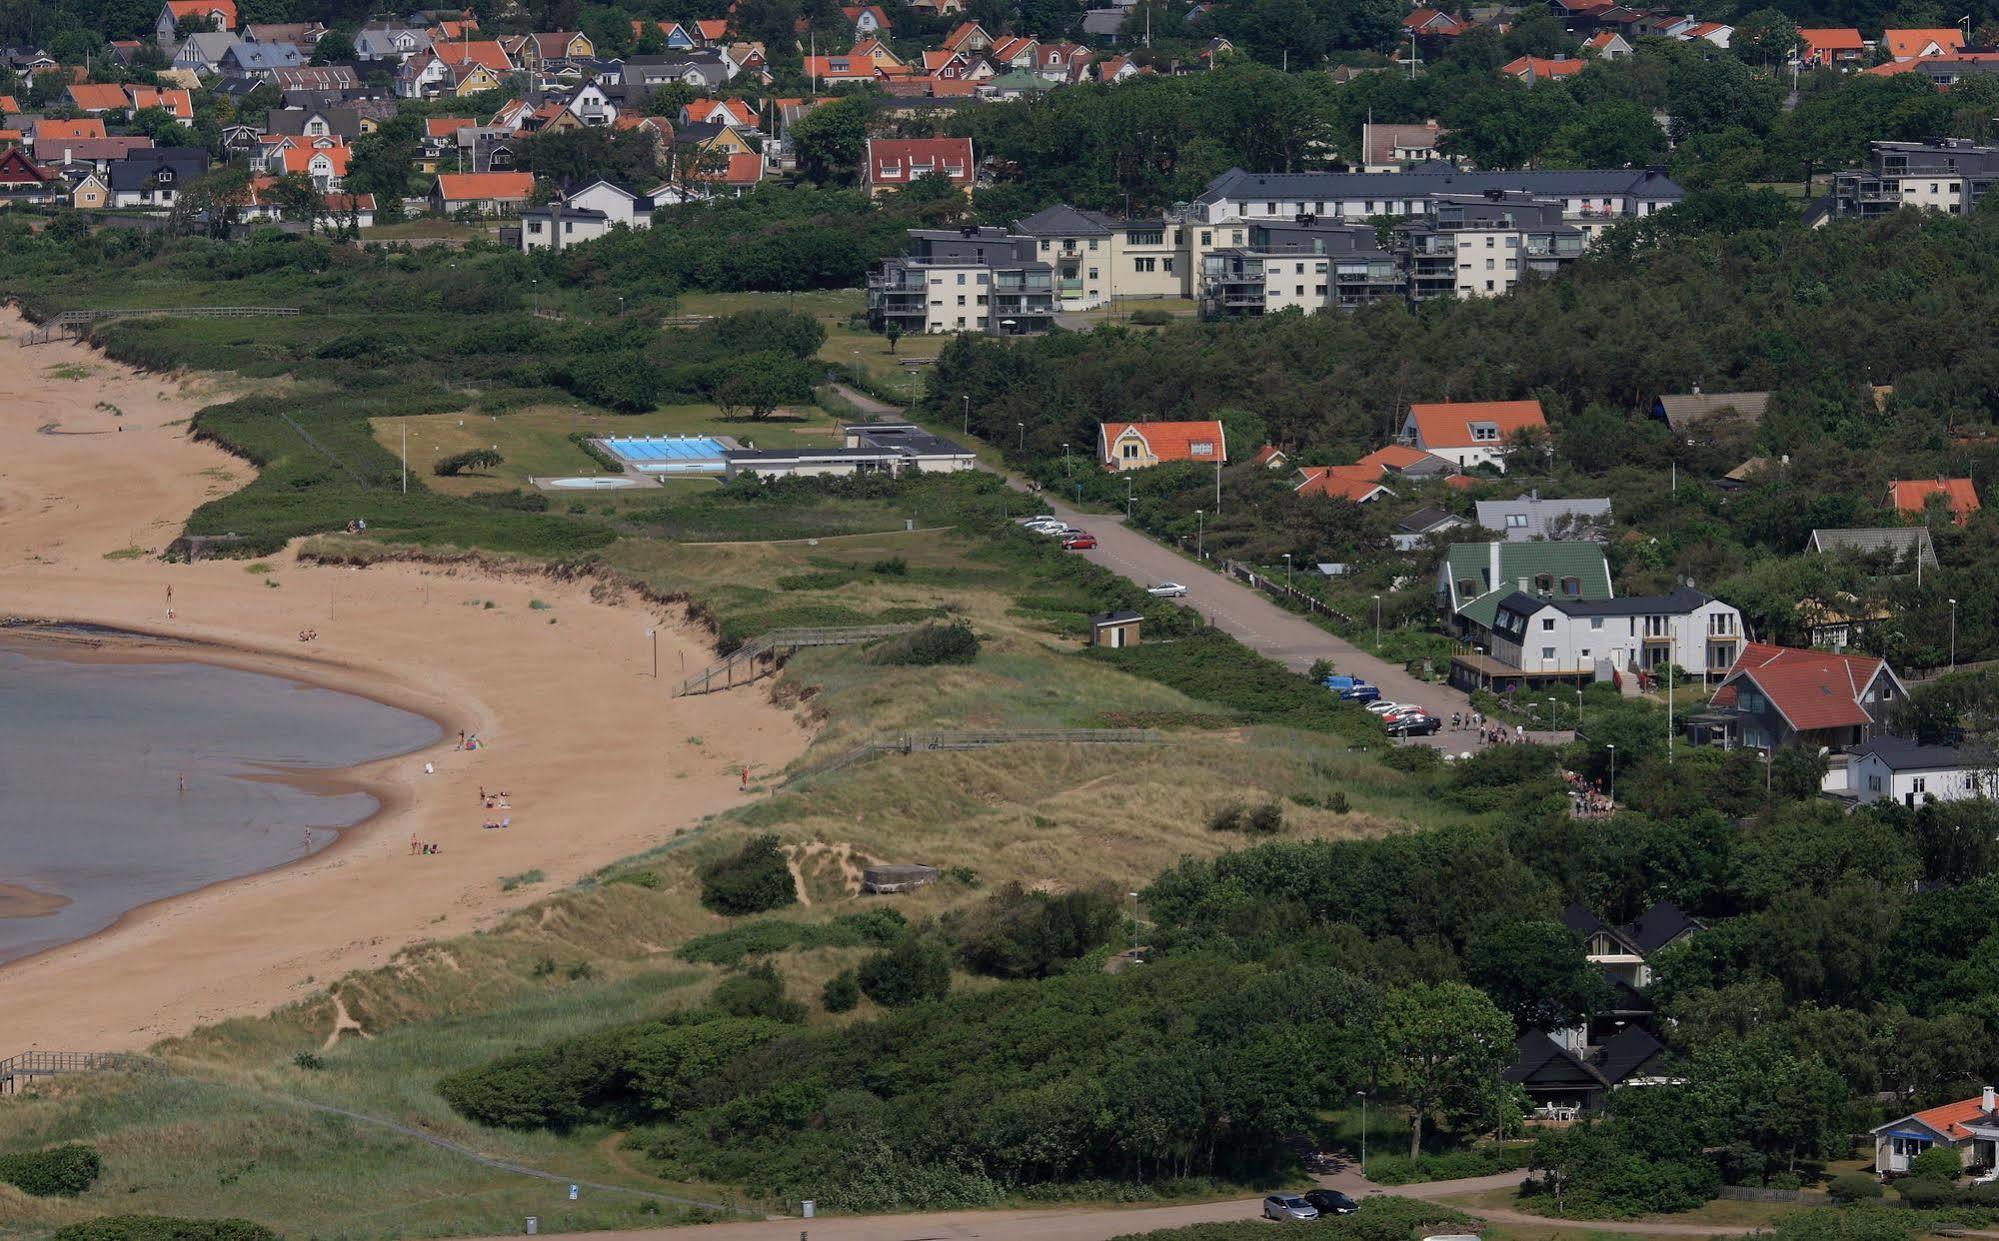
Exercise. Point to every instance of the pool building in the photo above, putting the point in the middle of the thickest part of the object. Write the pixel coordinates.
(865, 448)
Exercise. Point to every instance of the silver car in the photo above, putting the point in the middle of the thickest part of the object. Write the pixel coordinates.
(1288, 1207)
(1167, 590)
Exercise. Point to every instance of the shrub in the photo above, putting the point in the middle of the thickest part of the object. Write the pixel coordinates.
(952, 643)
(1412, 758)
(1939, 1163)
(757, 992)
(1927, 1195)
(841, 993)
(1336, 801)
(1150, 318)
(894, 566)
(164, 1228)
(1022, 934)
(918, 968)
(1265, 820)
(1227, 818)
(457, 463)
(753, 879)
(58, 1172)
(307, 1060)
(1853, 1187)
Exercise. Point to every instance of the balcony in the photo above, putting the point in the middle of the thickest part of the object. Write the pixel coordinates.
(1070, 288)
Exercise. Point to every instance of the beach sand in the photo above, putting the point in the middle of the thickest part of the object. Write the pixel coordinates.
(597, 757)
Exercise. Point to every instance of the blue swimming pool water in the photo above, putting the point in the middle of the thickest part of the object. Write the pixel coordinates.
(662, 453)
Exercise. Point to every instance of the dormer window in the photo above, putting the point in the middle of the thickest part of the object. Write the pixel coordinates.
(1484, 432)
(1572, 587)
(1467, 588)
(1201, 448)
(1544, 583)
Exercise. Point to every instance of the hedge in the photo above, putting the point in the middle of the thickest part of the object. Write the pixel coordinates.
(59, 1172)
(164, 1228)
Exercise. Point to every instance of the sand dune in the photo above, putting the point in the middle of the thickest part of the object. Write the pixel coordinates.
(598, 759)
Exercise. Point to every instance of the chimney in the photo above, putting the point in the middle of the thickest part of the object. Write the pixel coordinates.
(1492, 565)
(1521, 582)
(1987, 1099)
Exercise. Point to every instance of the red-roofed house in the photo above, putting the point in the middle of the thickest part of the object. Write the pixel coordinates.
(487, 52)
(1969, 1126)
(97, 97)
(45, 132)
(895, 162)
(1142, 445)
(867, 19)
(1433, 24)
(968, 37)
(1270, 457)
(1779, 695)
(735, 174)
(1910, 44)
(1912, 498)
(211, 14)
(487, 193)
(1717, 33)
(736, 112)
(1470, 433)
(1358, 483)
(177, 103)
(1608, 45)
(1530, 69)
(1836, 46)
(23, 180)
(325, 168)
(712, 30)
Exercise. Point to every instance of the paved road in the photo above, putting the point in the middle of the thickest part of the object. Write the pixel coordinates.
(1239, 610)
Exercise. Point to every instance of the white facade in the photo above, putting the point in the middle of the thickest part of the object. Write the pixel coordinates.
(1871, 778)
(560, 229)
(619, 206)
(1625, 636)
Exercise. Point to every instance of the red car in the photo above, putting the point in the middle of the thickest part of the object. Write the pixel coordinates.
(1081, 541)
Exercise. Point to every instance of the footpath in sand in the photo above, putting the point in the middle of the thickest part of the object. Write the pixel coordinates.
(599, 761)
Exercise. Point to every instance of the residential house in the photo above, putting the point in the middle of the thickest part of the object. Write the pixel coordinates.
(1682, 412)
(730, 174)
(22, 180)
(591, 106)
(1141, 445)
(1014, 52)
(342, 123)
(1624, 954)
(257, 61)
(1475, 578)
(82, 157)
(560, 225)
(542, 51)
(1483, 244)
(1432, 26)
(1897, 769)
(302, 35)
(701, 68)
(878, 54)
(939, 8)
(1563, 1084)
(1399, 148)
(174, 101)
(90, 194)
(1525, 518)
(154, 176)
(338, 80)
(1541, 636)
(481, 193)
(380, 41)
(1532, 69)
(1471, 433)
(1018, 84)
(202, 53)
(1717, 34)
(324, 166)
(1912, 497)
(835, 70)
(45, 135)
(1061, 62)
(218, 15)
(1913, 44)
(893, 163)
(95, 98)
(1949, 175)
(969, 279)
(1420, 526)
(619, 204)
(1970, 1127)
(1607, 45)
(1776, 696)
(869, 20)
(1360, 484)
(968, 37)
(736, 112)
(1899, 549)
(1839, 47)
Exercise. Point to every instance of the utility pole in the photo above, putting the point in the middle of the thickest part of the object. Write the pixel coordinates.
(406, 458)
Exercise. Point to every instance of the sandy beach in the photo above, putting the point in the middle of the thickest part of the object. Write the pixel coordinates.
(599, 761)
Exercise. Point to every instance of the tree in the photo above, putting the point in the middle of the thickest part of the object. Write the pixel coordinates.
(1537, 973)
(893, 331)
(159, 125)
(458, 463)
(918, 968)
(760, 382)
(1443, 1047)
(335, 47)
(382, 161)
(1765, 37)
(1797, 772)
(755, 878)
(831, 140)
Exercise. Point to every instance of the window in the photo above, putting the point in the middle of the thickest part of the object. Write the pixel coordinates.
(1488, 267)
(1297, 290)
(1093, 273)
(1235, 236)
(1484, 432)
(1584, 652)
(961, 299)
(1596, 623)
(1207, 237)
(1516, 521)
(1513, 243)
(1093, 243)
(1544, 582)
(534, 226)
(982, 278)
(1144, 237)
(1921, 784)
(1166, 265)
(1467, 589)
(1572, 587)
(1548, 653)
(1201, 448)
(1488, 243)
(961, 278)
(1142, 264)
(1270, 208)
(1874, 784)
(1044, 245)
(1511, 264)
(1547, 624)
(1128, 450)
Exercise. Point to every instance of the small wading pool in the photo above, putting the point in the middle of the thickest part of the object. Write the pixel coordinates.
(692, 454)
(607, 483)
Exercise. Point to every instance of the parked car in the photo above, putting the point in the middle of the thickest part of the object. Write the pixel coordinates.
(1331, 1202)
(1399, 710)
(1420, 724)
(1045, 524)
(1078, 541)
(1167, 590)
(1352, 689)
(1287, 1207)
(1381, 706)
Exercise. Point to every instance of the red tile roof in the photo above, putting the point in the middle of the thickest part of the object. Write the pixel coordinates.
(713, 29)
(97, 97)
(481, 186)
(444, 126)
(1811, 689)
(487, 52)
(178, 103)
(1394, 457)
(299, 159)
(1948, 1119)
(184, 9)
(1167, 441)
(899, 161)
(1832, 39)
(1447, 424)
(1538, 67)
(1344, 482)
(45, 130)
(1913, 496)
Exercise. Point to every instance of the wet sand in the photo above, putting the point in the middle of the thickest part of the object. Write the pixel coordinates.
(597, 756)
(20, 902)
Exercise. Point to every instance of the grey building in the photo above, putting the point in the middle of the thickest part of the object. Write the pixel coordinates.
(1529, 517)
(1474, 244)
(1945, 174)
(1307, 263)
(1904, 548)
(1584, 194)
(963, 280)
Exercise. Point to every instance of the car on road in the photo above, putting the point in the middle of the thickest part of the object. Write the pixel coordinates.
(1167, 590)
(1078, 541)
(1352, 689)
(1287, 1207)
(1421, 724)
(1331, 1202)
(1381, 706)
(1401, 709)
(1046, 525)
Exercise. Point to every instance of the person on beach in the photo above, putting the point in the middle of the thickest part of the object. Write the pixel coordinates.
(413, 844)
(461, 738)
(170, 602)
(745, 781)
(183, 782)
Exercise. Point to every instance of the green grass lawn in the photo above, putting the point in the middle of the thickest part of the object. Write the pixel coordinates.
(405, 230)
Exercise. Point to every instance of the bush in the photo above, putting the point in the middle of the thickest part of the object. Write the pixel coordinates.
(1853, 1187)
(1150, 318)
(752, 880)
(952, 643)
(1925, 1194)
(307, 1060)
(1265, 820)
(1451, 1165)
(841, 993)
(918, 968)
(1022, 934)
(164, 1228)
(1379, 1219)
(457, 463)
(1939, 1163)
(58, 1172)
(1228, 818)
(1412, 758)
(757, 992)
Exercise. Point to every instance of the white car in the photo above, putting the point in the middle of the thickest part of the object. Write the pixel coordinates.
(1167, 590)
(1403, 709)
(1383, 707)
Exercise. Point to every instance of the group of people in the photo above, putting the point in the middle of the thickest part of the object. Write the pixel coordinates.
(1489, 734)
(1587, 800)
(467, 741)
(495, 801)
(420, 846)
(308, 635)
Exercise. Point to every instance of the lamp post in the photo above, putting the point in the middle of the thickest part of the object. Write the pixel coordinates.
(1287, 570)
(1200, 537)
(1377, 622)
(535, 287)
(1065, 461)
(1953, 635)
(968, 414)
(1612, 747)
(1363, 1130)
(1022, 445)
(1551, 714)
(1579, 710)
(1127, 498)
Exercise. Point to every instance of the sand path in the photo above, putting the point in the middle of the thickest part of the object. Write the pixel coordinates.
(598, 758)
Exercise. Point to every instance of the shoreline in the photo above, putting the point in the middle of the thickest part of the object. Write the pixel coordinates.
(21, 901)
(89, 642)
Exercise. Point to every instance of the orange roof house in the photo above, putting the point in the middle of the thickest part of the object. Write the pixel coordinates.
(1470, 433)
(1837, 45)
(176, 102)
(1141, 445)
(45, 132)
(219, 14)
(895, 162)
(97, 97)
(1910, 44)
(1913, 497)
(442, 127)
(1359, 483)
(1531, 69)
(487, 52)
(1968, 1126)
(492, 192)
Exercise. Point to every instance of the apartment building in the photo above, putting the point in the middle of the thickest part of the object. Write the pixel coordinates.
(1945, 174)
(964, 280)
(1589, 639)
(1097, 257)
(1309, 264)
(1473, 245)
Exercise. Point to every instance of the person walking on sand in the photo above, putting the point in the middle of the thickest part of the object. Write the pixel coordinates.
(183, 782)
(170, 602)
(744, 782)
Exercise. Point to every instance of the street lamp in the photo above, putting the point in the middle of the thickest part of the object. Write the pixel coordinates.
(1200, 537)
(1377, 622)
(968, 414)
(1065, 460)
(1022, 445)
(1127, 498)
(1579, 710)
(1551, 713)
(1612, 747)
(1363, 1130)
(1953, 635)
(535, 287)
(1287, 570)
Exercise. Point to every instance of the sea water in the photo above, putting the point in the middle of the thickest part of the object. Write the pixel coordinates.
(92, 755)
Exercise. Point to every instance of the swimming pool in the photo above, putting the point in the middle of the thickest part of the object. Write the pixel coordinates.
(661, 454)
